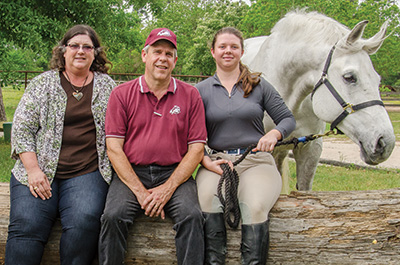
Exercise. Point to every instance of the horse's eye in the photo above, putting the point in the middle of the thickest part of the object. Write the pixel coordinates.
(350, 78)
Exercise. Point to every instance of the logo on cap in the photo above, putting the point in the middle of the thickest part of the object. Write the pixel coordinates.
(164, 32)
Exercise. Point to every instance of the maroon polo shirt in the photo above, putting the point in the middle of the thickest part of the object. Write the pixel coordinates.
(156, 131)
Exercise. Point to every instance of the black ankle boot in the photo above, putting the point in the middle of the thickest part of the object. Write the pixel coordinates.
(255, 243)
(215, 239)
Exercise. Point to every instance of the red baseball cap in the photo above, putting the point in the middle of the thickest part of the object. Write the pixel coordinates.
(161, 34)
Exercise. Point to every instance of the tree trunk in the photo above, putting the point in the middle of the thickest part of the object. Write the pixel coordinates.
(3, 116)
(336, 227)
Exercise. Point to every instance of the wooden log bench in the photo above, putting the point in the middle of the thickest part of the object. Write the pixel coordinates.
(342, 227)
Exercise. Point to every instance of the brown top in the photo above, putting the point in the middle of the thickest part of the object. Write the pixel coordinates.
(78, 155)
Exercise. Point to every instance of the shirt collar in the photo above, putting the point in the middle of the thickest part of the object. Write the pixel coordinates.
(217, 82)
(145, 89)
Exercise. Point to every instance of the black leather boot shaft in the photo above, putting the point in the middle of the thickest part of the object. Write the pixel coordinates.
(215, 239)
(255, 244)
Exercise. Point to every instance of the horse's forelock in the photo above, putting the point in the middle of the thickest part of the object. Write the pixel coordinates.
(350, 48)
(312, 27)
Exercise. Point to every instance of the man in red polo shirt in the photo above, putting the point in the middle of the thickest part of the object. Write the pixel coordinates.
(155, 129)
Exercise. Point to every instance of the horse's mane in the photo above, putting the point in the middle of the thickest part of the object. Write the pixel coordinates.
(310, 27)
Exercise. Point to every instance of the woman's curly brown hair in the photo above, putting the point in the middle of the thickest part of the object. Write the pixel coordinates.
(100, 62)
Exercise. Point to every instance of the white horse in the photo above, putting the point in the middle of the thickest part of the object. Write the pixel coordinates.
(293, 59)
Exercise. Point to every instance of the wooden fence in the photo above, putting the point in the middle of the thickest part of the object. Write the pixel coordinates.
(118, 77)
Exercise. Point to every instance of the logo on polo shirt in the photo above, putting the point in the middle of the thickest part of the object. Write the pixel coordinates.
(175, 110)
(164, 32)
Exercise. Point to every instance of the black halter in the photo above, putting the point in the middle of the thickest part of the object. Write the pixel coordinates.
(347, 107)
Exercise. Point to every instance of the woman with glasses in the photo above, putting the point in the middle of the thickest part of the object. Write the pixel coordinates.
(58, 140)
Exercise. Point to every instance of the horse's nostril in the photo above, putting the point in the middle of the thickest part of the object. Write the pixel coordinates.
(380, 146)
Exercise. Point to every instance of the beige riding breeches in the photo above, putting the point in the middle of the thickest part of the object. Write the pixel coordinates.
(259, 188)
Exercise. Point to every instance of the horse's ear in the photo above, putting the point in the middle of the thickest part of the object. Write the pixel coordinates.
(356, 32)
(373, 44)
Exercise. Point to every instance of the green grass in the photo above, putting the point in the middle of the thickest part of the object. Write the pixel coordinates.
(395, 118)
(397, 102)
(330, 178)
(390, 95)
(6, 163)
(11, 98)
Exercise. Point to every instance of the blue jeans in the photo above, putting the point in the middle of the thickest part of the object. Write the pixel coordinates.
(78, 201)
(122, 208)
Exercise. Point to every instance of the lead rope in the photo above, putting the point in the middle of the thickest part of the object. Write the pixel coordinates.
(230, 203)
(230, 179)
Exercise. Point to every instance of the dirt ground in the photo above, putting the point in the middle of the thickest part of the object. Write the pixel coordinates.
(346, 151)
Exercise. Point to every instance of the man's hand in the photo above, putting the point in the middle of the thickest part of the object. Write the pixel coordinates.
(155, 202)
(160, 195)
(124, 169)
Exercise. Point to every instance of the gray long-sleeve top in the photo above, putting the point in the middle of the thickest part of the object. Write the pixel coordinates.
(236, 122)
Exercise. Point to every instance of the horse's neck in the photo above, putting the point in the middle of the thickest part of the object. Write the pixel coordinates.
(294, 70)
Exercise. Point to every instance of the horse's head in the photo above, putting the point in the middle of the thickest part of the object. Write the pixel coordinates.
(348, 95)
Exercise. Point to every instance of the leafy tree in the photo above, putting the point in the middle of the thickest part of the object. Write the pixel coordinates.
(224, 13)
(124, 24)
(38, 25)
(385, 61)
(42, 23)
(182, 17)
(263, 14)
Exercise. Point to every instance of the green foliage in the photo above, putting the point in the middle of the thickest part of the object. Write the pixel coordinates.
(377, 12)
(16, 58)
(194, 22)
(263, 14)
(384, 89)
(31, 28)
(224, 13)
(39, 25)
(129, 61)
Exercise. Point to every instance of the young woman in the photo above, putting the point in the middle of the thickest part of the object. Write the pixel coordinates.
(235, 101)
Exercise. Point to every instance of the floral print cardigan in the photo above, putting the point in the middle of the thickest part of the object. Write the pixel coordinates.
(39, 121)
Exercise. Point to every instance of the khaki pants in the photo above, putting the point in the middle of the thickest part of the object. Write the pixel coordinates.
(259, 188)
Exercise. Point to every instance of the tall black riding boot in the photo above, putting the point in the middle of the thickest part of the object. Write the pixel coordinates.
(215, 239)
(255, 243)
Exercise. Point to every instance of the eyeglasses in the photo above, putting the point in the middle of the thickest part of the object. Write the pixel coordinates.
(76, 47)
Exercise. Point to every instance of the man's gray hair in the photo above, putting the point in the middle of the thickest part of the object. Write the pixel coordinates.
(145, 49)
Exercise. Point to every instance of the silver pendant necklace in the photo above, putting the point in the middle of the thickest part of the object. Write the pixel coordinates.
(77, 92)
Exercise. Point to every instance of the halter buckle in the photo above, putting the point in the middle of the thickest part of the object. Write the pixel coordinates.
(324, 76)
(349, 108)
